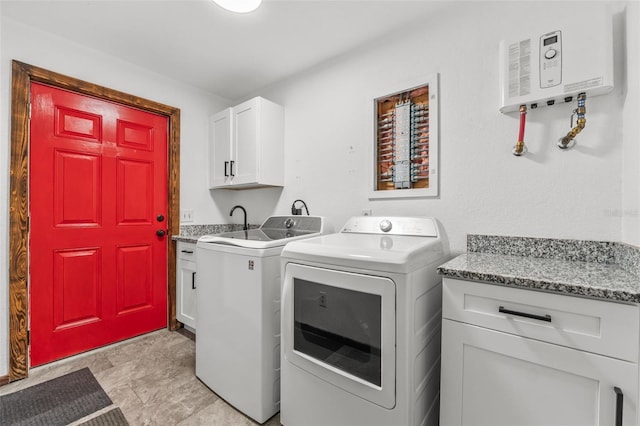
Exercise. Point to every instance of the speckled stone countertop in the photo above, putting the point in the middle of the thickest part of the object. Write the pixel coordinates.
(596, 269)
(191, 233)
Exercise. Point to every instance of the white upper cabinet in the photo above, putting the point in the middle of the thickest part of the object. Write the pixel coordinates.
(246, 147)
(220, 149)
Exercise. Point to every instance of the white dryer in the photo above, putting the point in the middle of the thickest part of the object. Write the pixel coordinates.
(361, 320)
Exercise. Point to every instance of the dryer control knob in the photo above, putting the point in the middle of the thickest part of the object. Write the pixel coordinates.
(385, 225)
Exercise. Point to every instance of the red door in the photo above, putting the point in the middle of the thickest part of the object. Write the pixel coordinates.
(97, 196)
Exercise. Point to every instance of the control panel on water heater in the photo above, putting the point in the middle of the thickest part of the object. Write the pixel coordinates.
(551, 59)
(568, 56)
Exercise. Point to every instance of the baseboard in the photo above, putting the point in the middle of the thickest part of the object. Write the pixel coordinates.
(4, 380)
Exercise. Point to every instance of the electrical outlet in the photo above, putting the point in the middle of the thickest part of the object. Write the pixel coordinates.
(186, 215)
(366, 212)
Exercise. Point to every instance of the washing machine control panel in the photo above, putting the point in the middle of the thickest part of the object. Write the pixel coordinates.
(419, 226)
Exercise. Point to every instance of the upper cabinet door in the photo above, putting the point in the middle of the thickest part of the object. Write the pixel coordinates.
(244, 151)
(247, 146)
(220, 149)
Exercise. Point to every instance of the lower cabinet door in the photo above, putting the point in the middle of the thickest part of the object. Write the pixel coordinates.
(186, 302)
(494, 378)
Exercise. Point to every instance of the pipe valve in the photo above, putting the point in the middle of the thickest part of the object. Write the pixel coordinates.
(568, 141)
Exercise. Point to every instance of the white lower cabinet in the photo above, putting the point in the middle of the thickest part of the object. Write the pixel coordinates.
(186, 284)
(494, 377)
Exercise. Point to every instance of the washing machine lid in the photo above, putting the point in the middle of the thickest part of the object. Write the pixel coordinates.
(276, 231)
(363, 244)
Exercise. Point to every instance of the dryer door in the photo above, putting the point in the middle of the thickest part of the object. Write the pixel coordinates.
(340, 326)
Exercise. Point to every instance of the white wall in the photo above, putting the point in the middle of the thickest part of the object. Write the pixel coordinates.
(41, 49)
(483, 187)
(630, 211)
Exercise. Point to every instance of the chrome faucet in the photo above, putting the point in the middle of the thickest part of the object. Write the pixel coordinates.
(244, 226)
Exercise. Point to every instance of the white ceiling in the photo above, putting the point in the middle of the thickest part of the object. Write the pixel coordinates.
(230, 55)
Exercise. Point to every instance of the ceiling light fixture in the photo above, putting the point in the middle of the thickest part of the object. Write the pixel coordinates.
(239, 6)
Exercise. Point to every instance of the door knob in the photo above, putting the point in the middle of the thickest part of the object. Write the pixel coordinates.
(160, 233)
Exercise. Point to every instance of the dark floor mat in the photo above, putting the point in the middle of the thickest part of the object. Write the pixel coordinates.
(59, 401)
(110, 418)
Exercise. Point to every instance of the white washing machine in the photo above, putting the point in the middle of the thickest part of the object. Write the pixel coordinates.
(238, 336)
(361, 320)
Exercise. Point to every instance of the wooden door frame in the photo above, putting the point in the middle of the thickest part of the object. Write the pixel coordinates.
(22, 77)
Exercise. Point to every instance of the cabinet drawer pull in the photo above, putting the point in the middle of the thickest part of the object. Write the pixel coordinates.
(546, 318)
(231, 168)
(226, 173)
(193, 281)
(619, 403)
(187, 251)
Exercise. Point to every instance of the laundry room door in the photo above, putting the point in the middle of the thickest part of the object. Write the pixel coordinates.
(97, 209)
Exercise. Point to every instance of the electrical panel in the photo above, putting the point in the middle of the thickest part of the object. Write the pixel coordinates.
(403, 140)
(566, 57)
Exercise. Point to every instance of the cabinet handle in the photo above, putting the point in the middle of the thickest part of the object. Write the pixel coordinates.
(187, 251)
(226, 173)
(231, 168)
(619, 403)
(546, 318)
(193, 281)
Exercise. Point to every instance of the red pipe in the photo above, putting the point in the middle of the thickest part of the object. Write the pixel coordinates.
(523, 119)
(519, 148)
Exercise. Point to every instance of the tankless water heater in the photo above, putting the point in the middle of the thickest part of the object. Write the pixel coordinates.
(568, 56)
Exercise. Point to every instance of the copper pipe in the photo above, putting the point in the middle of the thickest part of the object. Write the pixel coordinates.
(565, 142)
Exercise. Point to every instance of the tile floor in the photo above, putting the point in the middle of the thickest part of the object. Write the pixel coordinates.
(152, 379)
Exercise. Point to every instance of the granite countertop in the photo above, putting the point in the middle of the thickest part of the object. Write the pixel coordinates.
(187, 238)
(595, 269)
(191, 233)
